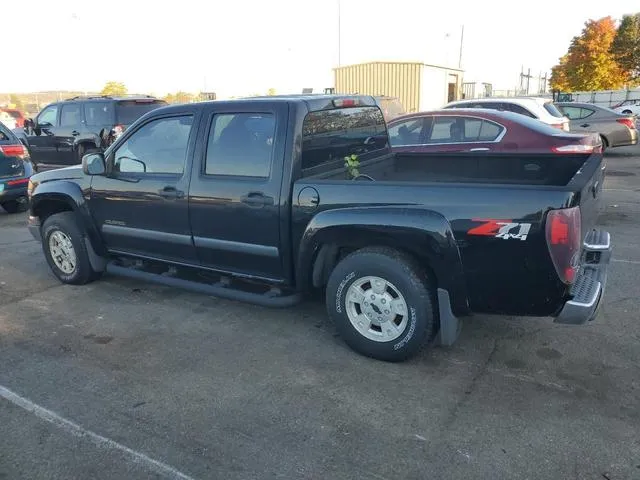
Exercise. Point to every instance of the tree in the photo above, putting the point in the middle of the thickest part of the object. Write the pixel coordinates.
(114, 88)
(589, 65)
(558, 80)
(16, 101)
(626, 46)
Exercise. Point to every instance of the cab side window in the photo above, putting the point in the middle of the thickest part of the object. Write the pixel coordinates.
(48, 116)
(158, 147)
(241, 144)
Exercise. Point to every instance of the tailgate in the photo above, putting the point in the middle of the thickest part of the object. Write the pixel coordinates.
(588, 184)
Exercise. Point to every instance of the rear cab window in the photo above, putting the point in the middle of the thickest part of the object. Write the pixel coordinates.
(328, 136)
(128, 111)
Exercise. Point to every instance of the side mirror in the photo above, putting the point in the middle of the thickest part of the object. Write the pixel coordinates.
(94, 164)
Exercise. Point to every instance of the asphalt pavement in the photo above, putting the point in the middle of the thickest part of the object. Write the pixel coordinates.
(125, 380)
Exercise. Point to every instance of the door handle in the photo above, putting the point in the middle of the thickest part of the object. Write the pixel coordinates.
(585, 125)
(75, 133)
(256, 199)
(170, 192)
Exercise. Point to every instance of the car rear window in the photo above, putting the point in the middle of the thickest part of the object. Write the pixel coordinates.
(128, 111)
(5, 134)
(552, 109)
(330, 135)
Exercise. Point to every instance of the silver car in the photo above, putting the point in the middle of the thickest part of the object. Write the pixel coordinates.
(616, 129)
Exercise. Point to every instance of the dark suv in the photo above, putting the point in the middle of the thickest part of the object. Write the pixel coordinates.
(64, 131)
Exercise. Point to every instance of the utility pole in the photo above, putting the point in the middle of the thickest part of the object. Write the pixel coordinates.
(461, 42)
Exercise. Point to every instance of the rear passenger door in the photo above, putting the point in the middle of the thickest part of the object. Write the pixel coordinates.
(235, 198)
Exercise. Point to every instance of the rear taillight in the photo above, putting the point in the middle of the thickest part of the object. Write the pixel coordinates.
(563, 231)
(627, 122)
(577, 148)
(14, 150)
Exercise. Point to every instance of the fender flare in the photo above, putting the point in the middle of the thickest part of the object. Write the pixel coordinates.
(425, 234)
(72, 196)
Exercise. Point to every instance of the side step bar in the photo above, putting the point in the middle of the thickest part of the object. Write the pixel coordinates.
(219, 290)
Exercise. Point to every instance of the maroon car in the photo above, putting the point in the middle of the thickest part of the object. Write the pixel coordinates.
(478, 130)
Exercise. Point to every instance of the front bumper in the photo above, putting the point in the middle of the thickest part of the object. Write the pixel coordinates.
(33, 224)
(588, 289)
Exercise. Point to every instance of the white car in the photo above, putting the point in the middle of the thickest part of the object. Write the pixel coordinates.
(629, 107)
(8, 120)
(535, 107)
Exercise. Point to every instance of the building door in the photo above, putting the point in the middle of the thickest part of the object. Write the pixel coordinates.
(452, 92)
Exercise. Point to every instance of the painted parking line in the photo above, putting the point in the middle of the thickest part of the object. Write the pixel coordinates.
(632, 262)
(102, 442)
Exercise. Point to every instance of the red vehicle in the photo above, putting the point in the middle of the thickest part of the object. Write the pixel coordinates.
(477, 130)
(17, 115)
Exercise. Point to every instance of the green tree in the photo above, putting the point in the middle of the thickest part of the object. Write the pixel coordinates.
(626, 46)
(114, 88)
(589, 65)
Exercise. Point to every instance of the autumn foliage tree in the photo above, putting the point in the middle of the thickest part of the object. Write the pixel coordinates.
(114, 88)
(626, 46)
(589, 64)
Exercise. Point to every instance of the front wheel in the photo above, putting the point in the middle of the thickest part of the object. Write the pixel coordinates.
(382, 304)
(65, 250)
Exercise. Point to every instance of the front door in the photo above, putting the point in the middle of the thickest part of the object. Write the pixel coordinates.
(141, 205)
(71, 127)
(234, 198)
(42, 138)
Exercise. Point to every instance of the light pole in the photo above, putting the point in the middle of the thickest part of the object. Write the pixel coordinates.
(339, 33)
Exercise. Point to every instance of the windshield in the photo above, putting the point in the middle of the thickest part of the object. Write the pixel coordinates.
(128, 111)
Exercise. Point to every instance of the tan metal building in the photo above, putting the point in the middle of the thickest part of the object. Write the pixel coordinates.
(419, 86)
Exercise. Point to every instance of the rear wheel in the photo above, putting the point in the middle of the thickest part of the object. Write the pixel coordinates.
(65, 250)
(605, 143)
(382, 304)
(15, 206)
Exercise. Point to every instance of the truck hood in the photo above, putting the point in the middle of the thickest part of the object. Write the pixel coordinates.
(67, 173)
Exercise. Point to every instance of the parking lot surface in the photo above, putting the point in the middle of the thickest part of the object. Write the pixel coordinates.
(122, 379)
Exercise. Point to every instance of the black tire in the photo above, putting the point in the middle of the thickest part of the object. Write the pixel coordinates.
(83, 272)
(411, 282)
(15, 206)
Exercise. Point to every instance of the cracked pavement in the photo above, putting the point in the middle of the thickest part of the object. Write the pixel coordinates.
(218, 389)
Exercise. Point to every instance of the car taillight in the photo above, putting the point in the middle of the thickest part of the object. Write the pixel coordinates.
(577, 148)
(563, 232)
(14, 150)
(627, 122)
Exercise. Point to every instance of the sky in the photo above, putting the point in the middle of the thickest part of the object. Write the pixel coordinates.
(242, 47)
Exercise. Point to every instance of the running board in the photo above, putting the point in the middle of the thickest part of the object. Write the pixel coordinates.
(268, 299)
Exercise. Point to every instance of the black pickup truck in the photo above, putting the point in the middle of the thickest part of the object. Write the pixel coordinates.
(253, 200)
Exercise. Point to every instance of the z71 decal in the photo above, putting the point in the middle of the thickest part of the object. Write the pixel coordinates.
(505, 229)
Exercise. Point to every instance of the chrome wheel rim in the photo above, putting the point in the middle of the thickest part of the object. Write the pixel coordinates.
(377, 309)
(62, 252)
